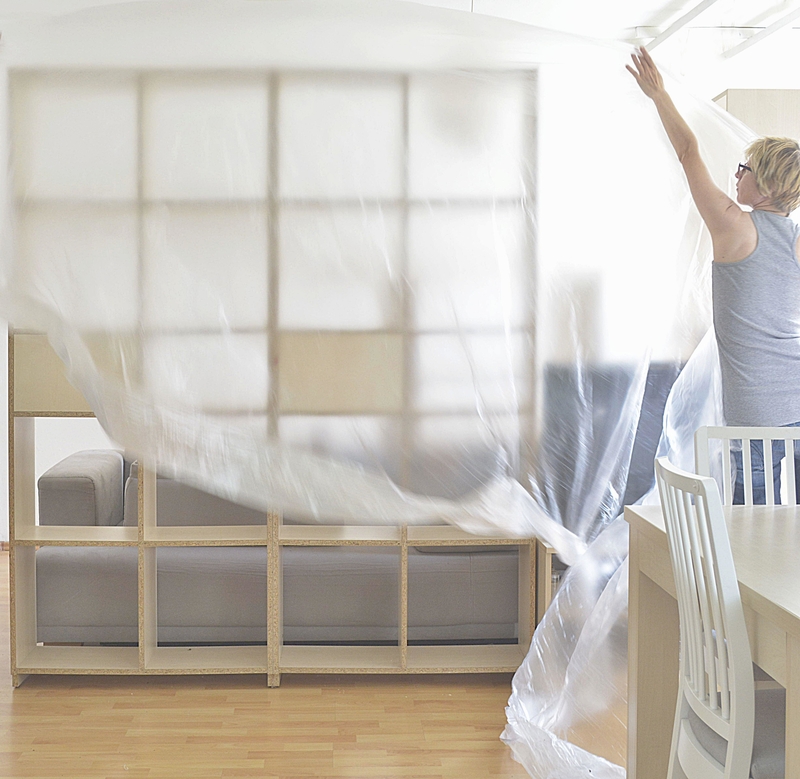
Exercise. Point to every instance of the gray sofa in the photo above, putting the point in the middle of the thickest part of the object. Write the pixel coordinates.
(212, 595)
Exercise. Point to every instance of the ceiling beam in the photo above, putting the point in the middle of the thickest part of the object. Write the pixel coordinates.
(761, 34)
(680, 23)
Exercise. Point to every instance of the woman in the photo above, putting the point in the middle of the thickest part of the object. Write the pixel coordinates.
(755, 274)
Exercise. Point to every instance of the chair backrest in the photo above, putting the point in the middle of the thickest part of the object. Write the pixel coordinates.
(706, 438)
(716, 676)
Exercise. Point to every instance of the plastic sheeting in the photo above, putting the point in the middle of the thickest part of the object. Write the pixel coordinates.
(375, 262)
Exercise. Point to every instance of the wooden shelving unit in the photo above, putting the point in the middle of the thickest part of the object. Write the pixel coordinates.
(272, 659)
(409, 217)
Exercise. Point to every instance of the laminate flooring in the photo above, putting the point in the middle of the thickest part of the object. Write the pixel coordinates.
(209, 727)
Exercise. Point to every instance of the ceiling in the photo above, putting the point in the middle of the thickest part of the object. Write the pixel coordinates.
(713, 44)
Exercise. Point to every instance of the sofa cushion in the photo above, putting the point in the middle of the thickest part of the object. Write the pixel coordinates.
(212, 594)
(219, 594)
(87, 594)
(180, 505)
(353, 594)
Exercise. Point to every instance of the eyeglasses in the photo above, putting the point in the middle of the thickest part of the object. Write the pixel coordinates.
(743, 167)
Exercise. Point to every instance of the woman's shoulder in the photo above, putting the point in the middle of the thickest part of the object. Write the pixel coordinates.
(779, 224)
(739, 240)
(777, 233)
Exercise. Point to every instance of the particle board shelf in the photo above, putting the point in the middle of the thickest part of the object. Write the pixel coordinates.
(54, 414)
(500, 658)
(207, 659)
(78, 659)
(339, 535)
(52, 535)
(340, 659)
(480, 658)
(273, 658)
(206, 535)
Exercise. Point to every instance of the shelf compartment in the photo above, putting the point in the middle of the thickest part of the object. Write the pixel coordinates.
(39, 380)
(340, 659)
(340, 596)
(58, 535)
(210, 535)
(462, 595)
(339, 535)
(208, 659)
(78, 660)
(480, 658)
(80, 594)
(207, 598)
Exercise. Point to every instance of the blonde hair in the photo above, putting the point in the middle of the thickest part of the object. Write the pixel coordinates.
(776, 166)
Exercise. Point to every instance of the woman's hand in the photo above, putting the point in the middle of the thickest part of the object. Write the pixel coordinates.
(646, 73)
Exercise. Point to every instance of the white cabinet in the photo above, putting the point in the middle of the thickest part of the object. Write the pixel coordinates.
(766, 111)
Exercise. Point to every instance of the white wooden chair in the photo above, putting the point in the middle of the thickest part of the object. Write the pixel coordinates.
(765, 439)
(723, 728)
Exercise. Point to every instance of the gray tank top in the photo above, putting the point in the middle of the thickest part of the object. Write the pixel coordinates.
(757, 325)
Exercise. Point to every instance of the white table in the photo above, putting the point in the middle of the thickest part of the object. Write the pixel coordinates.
(766, 549)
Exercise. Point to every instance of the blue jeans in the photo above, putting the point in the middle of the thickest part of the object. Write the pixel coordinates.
(757, 470)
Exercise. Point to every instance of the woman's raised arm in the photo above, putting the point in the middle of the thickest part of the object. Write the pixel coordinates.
(722, 214)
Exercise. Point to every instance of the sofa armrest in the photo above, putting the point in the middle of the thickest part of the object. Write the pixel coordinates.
(83, 489)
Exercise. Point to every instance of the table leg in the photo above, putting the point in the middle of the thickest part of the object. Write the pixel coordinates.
(792, 705)
(653, 634)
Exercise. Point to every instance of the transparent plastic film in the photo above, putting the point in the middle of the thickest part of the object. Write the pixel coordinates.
(567, 716)
(374, 263)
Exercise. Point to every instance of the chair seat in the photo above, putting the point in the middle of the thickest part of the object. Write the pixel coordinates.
(769, 738)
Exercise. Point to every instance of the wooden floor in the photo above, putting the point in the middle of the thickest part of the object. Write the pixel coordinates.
(82, 727)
